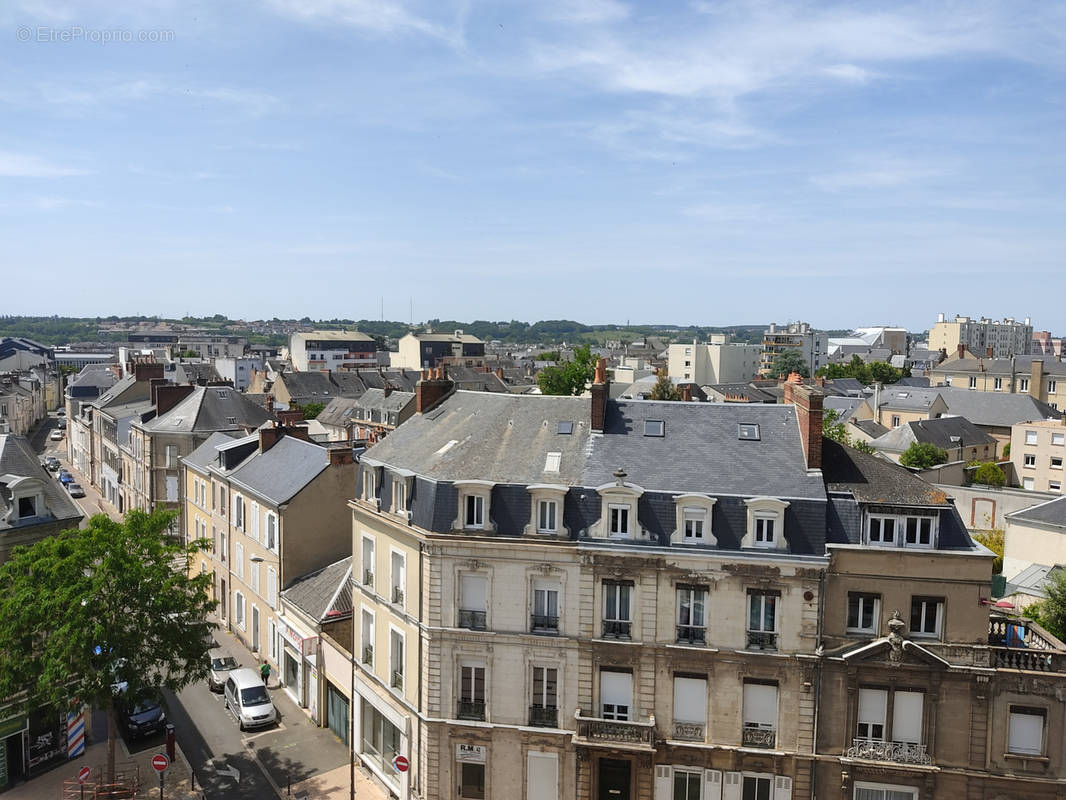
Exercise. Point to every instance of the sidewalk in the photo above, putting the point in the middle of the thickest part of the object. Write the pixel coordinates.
(302, 747)
(50, 784)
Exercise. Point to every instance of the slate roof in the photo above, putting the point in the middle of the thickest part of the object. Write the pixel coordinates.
(193, 373)
(283, 471)
(115, 392)
(1030, 580)
(947, 433)
(308, 386)
(870, 427)
(210, 408)
(752, 393)
(908, 398)
(848, 386)
(393, 402)
(205, 455)
(1021, 365)
(325, 594)
(1052, 512)
(873, 480)
(845, 406)
(995, 408)
(98, 376)
(917, 381)
(337, 411)
(18, 458)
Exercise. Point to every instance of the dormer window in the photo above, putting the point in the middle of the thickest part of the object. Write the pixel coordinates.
(475, 498)
(619, 520)
(766, 524)
(546, 501)
(475, 512)
(618, 510)
(693, 520)
(888, 527)
(27, 507)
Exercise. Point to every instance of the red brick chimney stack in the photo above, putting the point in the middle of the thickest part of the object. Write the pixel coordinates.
(961, 350)
(808, 403)
(600, 392)
(433, 387)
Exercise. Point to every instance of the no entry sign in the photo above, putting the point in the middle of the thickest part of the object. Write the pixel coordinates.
(83, 774)
(160, 762)
(401, 764)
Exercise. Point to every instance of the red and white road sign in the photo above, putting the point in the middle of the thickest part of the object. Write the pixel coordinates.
(401, 764)
(83, 774)
(160, 762)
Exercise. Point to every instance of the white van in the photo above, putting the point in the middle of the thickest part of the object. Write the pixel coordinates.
(247, 699)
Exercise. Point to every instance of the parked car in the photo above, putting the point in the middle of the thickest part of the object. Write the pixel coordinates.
(141, 719)
(221, 664)
(65, 477)
(247, 699)
(52, 464)
(62, 412)
(56, 435)
(62, 424)
(75, 490)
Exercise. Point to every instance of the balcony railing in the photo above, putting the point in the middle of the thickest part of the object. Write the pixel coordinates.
(616, 628)
(543, 622)
(759, 737)
(1021, 633)
(543, 717)
(397, 595)
(397, 680)
(612, 732)
(368, 655)
(471, 709)
(896, 752)
(1029, 660)
(688, 731)
(691, 634)
(368, 577)
(762, 640)
(475, 620)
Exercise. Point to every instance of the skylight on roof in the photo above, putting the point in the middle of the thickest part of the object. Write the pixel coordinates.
(222, 394)
(566, 426)
(552, 462)
(748, 431)
(654, 427)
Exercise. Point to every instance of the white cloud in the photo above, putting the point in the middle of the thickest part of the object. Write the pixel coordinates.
(880, 173)
(383, 17)
(24, 165)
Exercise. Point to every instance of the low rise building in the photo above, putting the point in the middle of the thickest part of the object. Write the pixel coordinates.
(1036, 534)
(998, 339)
(716, 362)
(322, 351)
(1038, 450)
(956, 436)
(1041, 377)
(419, 351)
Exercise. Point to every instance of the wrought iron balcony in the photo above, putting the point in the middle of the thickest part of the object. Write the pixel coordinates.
(475, 620)
(896, 752)
(758, 737)
(368, 655)
(762, 640)
(471, 709)
(397, 595)
(616, 628)
(368, 577)
(397, 680)
(691, 634)
(543, 717)
(543, 622)
(615, 733)
(688, 731)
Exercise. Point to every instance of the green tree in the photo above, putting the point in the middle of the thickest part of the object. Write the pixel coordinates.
(864, 447)
(989, 474)
(1006, 450)
(664, 389)
(312, 410)
(569, 378)
(922, 455)
(1051, 612)
(995, 540)
(787, 362)
(833, 428)
(86, 610)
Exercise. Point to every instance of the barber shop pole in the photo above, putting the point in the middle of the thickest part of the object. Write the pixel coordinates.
(75, 734)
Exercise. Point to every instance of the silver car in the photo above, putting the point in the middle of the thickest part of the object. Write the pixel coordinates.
(221, 664)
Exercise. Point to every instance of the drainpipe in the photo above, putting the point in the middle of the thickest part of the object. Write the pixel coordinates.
(817, 686)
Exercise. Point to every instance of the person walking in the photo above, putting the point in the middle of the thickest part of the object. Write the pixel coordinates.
(264, 672)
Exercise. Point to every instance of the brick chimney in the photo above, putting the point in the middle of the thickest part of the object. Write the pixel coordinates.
(290, 417)
(268, 437)
(686, 393)
(1036, 378)
(960, 351)
(144, 372)
(432, 387)
(270, 404)
(340, 455)
(808, 403)
(165, 397)
(600, 392)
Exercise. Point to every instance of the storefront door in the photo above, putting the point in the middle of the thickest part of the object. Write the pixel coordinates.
(337, 712)
(292, 676)
(471, 781)
(613, 779)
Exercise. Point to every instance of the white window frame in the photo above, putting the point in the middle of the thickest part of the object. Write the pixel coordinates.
(686, 596)
(760, 510)
(238, 559)
(1029, 460)
(397, 581)
(270, 540)
(1028, 484)
(393, 630)
(690, 507)
(1032, 437)
(239, 610)
(872, 727)
(272, 587)
(1024, 712)
(253, 531)
(546, 493)
(253, 574)
(372, 566)
(863, 598)
(939, 613)
(474, 489)
(973, 382)
(1058, 439)
(618, 711)
(1053, 465)
(547, 516)
(366, 636)
(614, 497)
(619, 520)
(1023, 384)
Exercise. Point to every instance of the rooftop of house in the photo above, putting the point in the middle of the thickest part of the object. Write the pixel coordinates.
(844, 406)
(391, 402)
(870, 427)
(334, 336)
(947, 433)
(325, 594)
(466, 338)
(19, 463)
(114, 394)
(186, 372)
(210, 408)
(1051, 513)
(99, 376)
(995, 408)
(908, 398)
(1031, 580)
(1019, 365)
(206, 454)
(280, 473)
(873, 480)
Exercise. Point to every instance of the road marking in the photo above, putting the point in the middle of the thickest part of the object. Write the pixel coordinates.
(280, 726)
(228, 769)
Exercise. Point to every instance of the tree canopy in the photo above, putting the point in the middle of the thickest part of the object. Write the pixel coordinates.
(989, 474)
(922, 455)
(787, 362)
(570, 378)
(86, 610)
(664, 389)
(1051, 612)
(312, 410)
(875, 371)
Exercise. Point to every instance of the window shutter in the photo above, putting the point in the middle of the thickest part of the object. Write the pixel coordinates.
(662, 782)
(712, 779)
(731, 787)
(272, 587)
(907, 717)
(255, 521)
(542, 776)
(1026, 734)
(690, 700)
(782, 788)
(760, 705)
(616, 688)
(472, 593)
(873, 705)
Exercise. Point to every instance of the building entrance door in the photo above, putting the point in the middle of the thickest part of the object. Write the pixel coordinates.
(613, 779)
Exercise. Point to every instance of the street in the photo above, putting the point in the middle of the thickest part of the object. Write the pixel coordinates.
(228, 763)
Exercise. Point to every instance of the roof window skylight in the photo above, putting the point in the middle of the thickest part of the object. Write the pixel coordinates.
(566, 426)
(748, 431)
(654, 427)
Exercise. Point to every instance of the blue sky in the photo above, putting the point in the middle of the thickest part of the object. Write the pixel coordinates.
(599, 160)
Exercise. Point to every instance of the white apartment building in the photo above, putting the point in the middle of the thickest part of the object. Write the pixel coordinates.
(718, 361)
(994, 338)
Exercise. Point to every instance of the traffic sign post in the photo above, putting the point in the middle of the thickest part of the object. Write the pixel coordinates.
(401, 764)
(83, 775)
(160, 763)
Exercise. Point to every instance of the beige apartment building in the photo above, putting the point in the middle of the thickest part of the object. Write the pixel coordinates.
(272, 508)
(1041, 377)
(1037, 450)
(998, 339)
(718, 361)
